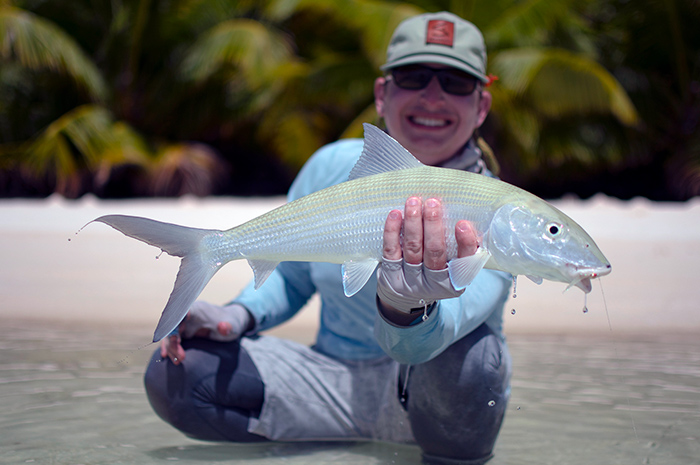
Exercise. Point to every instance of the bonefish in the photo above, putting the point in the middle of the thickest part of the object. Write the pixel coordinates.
(520, 233)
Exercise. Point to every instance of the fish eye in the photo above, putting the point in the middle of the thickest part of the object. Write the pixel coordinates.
(553, 229)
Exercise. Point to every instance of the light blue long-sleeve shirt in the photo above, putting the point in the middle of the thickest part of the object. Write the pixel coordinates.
(351, 327)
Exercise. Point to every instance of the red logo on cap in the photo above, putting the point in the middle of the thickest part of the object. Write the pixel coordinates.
(440, 32)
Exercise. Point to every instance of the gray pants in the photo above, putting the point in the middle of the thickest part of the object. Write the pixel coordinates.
(266, 388)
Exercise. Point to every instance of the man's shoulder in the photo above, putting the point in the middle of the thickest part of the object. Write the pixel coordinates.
(340, 152)
(330, 165)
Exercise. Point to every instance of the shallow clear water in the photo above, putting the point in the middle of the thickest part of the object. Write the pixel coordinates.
(75, 396)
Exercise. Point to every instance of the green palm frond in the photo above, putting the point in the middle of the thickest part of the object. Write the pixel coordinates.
(184, 168)
(559, 83)
(242, 45)
(355, 129)
(525, 23)
(84, 140)
(39, 44)
(376, 22)
(520, 124)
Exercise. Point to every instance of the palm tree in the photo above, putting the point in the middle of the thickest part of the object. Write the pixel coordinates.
(228, 73)
(553, 104)
(77, 150)
(155, 80)
(30, 46)
(282, 76)
(652, 46)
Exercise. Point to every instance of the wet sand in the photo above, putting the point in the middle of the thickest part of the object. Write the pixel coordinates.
(618, 384)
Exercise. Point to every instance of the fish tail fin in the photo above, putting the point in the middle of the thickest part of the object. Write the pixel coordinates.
(196, 269)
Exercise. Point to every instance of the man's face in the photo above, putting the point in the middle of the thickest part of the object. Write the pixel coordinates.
(432, 124)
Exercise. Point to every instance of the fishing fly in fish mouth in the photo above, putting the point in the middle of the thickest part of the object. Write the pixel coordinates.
(522, 234)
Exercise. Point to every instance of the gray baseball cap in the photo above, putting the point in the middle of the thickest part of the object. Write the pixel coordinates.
(442, 38)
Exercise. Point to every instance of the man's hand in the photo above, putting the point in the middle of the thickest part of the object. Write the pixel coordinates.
(219, 323)
(414, 274)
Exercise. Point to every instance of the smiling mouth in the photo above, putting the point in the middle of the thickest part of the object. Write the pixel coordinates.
(429, 122)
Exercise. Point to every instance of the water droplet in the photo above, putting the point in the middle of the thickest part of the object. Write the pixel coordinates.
(518, 407)
(585, 309)
(492, 403)
(585, 303)
(512, 312)
(515, 286)
(161, 253)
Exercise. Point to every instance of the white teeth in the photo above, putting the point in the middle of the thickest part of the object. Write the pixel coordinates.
(432, 122)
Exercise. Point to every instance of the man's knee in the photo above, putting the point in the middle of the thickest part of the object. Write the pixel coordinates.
(171, 392)
(165, 394)
(456, 401)
(204, 397)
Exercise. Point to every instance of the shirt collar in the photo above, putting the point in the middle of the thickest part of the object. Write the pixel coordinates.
(468, 159)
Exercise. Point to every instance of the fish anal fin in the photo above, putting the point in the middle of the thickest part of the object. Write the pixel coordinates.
(262, 269)
(381, 154)
(356, 274)
(464, 270)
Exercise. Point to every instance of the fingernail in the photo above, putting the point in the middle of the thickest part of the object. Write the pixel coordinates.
(432, 203)
(413, 201)
(395, 215)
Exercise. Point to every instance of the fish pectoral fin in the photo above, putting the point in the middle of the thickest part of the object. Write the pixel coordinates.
(534, 279)
(464, 270)
(262, 269)
(356, 274)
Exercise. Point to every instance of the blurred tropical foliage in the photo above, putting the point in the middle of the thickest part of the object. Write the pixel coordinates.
(170, 97)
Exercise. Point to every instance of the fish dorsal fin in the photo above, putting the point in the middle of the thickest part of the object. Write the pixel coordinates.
(464, 270)
(356, 274)
(381, 154)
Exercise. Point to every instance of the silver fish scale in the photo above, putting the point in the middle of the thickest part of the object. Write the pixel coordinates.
(346, 221)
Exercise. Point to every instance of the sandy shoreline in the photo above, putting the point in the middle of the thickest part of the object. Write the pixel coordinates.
(101, 277)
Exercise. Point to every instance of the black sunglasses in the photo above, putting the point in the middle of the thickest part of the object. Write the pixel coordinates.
(417, 77)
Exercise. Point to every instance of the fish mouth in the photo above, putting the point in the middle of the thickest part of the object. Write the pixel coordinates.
(582, 277)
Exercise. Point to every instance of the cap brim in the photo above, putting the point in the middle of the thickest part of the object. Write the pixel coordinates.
(434, 58)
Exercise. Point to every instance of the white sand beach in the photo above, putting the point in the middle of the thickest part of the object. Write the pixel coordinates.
(100, 276)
